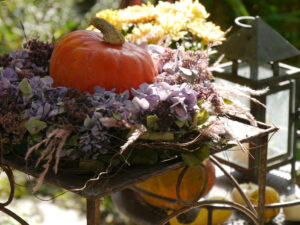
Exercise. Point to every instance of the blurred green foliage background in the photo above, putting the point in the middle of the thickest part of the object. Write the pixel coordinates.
(282, 15)
(50, 19)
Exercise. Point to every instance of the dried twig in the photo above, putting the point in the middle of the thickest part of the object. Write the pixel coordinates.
(140, 129)
(54, 144)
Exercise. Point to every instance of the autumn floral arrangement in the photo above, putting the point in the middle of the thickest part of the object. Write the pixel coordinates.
(174, 114)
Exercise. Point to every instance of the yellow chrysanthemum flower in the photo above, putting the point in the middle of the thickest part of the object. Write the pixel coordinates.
(173, 19)
(174, 26)
(192, 9)
(138, 14)
(167, 7)
(146, 32)
(195, 8)
(207, 31)
(199, 10)
(112, 16)
(133, 14)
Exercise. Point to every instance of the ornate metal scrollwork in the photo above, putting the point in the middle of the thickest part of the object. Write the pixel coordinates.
(249, 211)
(3, 208)
(178, 199)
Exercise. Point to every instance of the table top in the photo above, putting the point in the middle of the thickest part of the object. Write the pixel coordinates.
(127, 176)
(105, 186)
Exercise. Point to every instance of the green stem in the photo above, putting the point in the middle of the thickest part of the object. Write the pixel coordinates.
(110, 34)
(157, 136)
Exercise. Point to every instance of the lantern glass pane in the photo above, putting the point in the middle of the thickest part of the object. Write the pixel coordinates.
(244, 101)
(264, 70)
(236, 156)
(244, 70)
(277, 113)
(240, 131)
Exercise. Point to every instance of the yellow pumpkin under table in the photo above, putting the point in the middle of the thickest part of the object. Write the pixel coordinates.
(192, 185)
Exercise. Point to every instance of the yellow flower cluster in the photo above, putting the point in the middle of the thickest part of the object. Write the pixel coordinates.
(122, 18)
(153, 23)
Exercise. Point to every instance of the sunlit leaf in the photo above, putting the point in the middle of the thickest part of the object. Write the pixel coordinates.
(117, 116)
(34, 126)
(25, 88)
(181, 124)
(202, 116)
(152, 122)
(72, 140)
(197, 157)
(200, 102)
(90, 165)
(227, 101)
(190, 75)
(158, 136)
(149, 157)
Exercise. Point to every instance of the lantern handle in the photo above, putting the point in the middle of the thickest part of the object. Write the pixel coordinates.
(238, 21)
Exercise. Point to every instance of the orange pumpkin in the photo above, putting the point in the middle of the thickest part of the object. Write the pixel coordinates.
(83, 59)
(191, 186)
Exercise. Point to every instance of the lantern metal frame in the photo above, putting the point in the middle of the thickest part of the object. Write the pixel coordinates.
(284, 77)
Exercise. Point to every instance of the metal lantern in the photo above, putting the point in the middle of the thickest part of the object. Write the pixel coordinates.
(255, 52)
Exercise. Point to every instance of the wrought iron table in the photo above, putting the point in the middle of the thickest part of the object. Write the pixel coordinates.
(125, 178)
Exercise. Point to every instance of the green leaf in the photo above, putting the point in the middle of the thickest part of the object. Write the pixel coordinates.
(152, 122)
(61, 110)
(2, 2)
(37, 138)
(197, 157)
(72, 141)
(130, 132)
(149, 157)
(298, 177)
(117, 116)
(34, 126)
(203, 153)
(190, 75)
(181, 124)
(116, 161)
(25, 88)
(231, 144)
(157, 136)
(202, 116)
(190, 159)
(194, 125)
(90, 166)
(238, 7)
(227, 101)
(200, 102)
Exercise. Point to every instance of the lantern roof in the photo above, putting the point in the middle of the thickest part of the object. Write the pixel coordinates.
(257, 43)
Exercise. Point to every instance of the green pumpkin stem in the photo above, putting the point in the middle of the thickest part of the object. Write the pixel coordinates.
(110, 34)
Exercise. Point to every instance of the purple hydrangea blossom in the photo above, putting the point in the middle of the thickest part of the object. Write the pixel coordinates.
(44, 102)
(182, 97)
(111, 103)
(9, 81)
(10, 75)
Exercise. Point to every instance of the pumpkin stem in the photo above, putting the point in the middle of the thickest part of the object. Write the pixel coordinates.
(110, 34)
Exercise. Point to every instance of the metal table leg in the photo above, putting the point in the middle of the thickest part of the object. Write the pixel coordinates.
(262, 183)
(93, 211)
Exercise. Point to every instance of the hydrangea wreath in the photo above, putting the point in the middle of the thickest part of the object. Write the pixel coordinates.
(175, 116)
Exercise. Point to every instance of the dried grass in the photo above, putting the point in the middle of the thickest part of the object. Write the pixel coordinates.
(54, 144)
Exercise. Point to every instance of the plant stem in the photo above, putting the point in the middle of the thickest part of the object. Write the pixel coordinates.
(110, 34)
